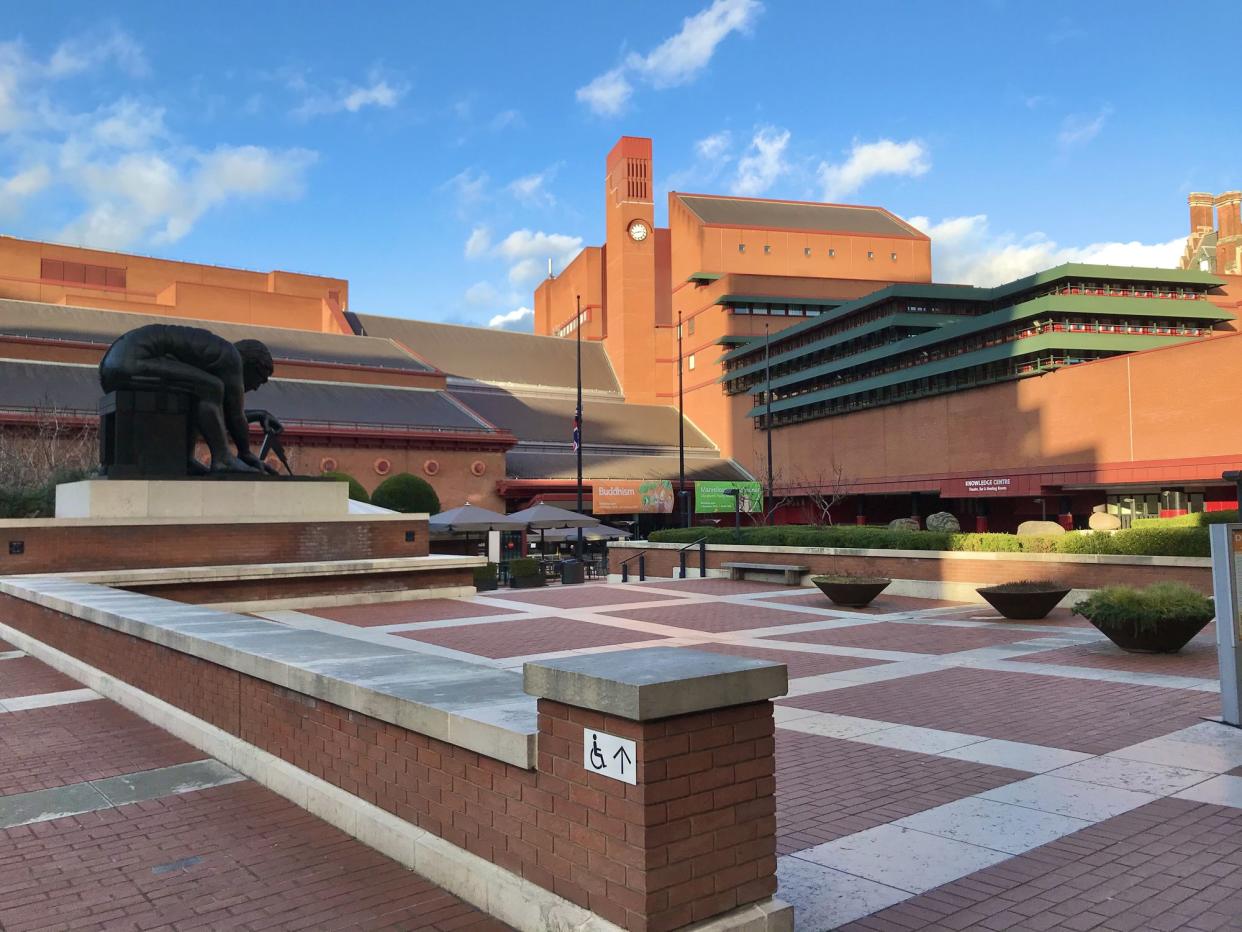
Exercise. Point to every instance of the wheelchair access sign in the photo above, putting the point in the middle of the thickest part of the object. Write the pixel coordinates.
(610, 756)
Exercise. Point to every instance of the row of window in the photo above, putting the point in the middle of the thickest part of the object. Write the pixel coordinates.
(1129, 290)
(777, 310)
(81, 273)
(808, 252)
(566, 329)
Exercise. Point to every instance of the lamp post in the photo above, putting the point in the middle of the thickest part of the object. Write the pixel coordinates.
(736, 495)
(767, 416)
(578, 422)
(681, 434)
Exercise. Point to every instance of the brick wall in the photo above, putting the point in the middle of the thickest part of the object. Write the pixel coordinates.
(290, 587)
(694, 838)
(959, 569)
(61, 548)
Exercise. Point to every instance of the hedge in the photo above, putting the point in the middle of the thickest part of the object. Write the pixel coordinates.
(406, 493)
(357, 491)
(1162, 542)
(1198, 519)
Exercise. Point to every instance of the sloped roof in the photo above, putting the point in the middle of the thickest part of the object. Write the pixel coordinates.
(796, 215)
(34, 319)
(545, 418)
(490, 355)
(42, 385)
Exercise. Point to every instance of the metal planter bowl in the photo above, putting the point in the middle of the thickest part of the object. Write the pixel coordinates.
(851, 591)
(1023, 606)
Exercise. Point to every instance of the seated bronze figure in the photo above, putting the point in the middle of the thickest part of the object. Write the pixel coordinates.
(214, 372)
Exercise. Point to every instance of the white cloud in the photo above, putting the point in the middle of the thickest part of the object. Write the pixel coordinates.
(677, 60)
(478, 243)
(870, 159)
(504, 120)
(128, 124)
(714, 147)
(15, 189)
(965, 250)
(77, 55)
(763, 163)
(1077, 130)
(347, 97)
(482, 293)
(518, 316)
(469, 186)
(532, 191)
(606, 94)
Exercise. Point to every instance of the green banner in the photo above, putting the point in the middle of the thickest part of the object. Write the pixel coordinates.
(710, 497)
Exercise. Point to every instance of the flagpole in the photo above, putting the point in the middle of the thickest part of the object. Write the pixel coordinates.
(578, 422)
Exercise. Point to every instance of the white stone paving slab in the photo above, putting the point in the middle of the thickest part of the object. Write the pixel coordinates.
(43, 700)
(903, 858)
(828, 725)
(1140, 776)
(1220, 791)
(1214, 759)
(1016, 755)
(1071, 798)
(824, 898)
(920, 740)
(977, 821)
(12, 655)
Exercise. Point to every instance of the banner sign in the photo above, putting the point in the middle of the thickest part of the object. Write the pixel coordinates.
(710, 498)
(629, 497)
(981, 486)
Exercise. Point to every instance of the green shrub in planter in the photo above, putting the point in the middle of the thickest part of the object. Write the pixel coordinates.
(1168, 542)
(524, 566)
(1198, 519)
(407, 494)
(485, 577)
(1159, 619)
(1091, 542)
(357, 491)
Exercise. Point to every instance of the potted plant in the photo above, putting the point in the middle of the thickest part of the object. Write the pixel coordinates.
(525, 573)
(485, 578)
(1159, 619)
(851, 591)
(1025, 600)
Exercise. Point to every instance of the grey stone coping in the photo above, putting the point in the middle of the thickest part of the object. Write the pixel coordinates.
(655, 682)
(15, 524)
(471, 705)
(154, 576)
(1096, 558)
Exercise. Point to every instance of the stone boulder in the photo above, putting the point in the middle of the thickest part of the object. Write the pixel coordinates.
(1103, 521)
(904, 524)
(1040, 529)
(943, 521)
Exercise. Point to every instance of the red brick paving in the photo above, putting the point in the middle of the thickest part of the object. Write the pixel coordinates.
(6, 646)
(914, 638)
(1170, 865)
(263, 863)
(717, 616)
(577, 596)
(58, 745)
(715, 586)
(25, 676)
(1057, 618)
(403, 613)
(527, 636)
(888, 604)
(800, 663)
(827, 788)
(1198, 658)
(1078, 715)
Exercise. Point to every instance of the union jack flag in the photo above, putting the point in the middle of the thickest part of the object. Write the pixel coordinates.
(577, 431)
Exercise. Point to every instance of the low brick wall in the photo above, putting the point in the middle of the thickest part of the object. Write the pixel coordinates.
(263, 589)
(56, 546)
(695, 838)
(1076, 571)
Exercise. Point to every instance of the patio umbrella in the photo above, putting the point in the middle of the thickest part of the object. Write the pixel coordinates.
(469, 517)
(599, 532)
(541, 517)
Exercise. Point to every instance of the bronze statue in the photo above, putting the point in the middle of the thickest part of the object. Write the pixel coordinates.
(214, 372)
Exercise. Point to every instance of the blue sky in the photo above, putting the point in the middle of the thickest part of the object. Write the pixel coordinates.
(436, 156)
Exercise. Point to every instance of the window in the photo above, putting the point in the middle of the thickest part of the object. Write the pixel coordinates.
(690, 362)
(832, 253)
(690, 326)
(870, 254)
(767, 250)
(78, 273)
(893, 256)
(806, 251)
(741, 247)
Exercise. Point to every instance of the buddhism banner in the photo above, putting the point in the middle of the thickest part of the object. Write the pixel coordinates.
(710, 498)
(628, 497)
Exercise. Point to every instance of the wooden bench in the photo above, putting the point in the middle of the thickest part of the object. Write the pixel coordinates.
(793, 574)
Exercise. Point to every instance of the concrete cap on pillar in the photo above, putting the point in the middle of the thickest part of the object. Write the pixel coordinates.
(655, 682)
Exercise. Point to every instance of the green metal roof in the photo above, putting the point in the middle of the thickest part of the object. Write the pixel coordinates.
(779, 299)
(704, 277)
(1121, 343)
(1078, 270)
(966, 326)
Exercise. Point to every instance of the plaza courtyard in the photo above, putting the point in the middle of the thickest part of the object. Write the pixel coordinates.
(937, 767)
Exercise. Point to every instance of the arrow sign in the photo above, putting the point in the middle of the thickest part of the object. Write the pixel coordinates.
(610, 756)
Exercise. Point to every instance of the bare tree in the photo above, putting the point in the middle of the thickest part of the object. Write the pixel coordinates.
(825, 490)
(45, 443)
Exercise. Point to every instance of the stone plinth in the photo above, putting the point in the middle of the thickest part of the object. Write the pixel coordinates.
(693, 838)
(202, 498)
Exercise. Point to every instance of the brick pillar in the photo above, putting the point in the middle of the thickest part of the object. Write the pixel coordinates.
(694, 837)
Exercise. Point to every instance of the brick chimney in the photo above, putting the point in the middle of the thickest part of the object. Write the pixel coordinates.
(1201, 212)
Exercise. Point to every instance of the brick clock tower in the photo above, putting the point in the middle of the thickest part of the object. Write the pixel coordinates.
(630, 267)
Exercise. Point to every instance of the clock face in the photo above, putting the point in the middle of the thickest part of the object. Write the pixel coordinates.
(639, 231)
